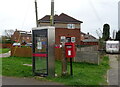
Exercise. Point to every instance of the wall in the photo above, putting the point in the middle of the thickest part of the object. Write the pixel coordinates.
(62, 30)
(67, 33)
(20, 37)
(61, 25)
(88, 43)
(6, 45)
(88, 54)
(16, 36)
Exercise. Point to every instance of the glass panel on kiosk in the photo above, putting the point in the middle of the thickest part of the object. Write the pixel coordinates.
(41, 48)
(40, 53)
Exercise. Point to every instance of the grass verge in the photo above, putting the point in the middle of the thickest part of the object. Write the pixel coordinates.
(0, 66)
(4, 50)
(83, 73)
(13, 66)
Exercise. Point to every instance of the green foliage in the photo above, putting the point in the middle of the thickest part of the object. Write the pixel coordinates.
(25, 46)
(0, 66)
(6, 41)
(4, 50)
(118, 35)
(106, 32)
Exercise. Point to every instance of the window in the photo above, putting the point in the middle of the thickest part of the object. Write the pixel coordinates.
(73, 39)
(71, 26)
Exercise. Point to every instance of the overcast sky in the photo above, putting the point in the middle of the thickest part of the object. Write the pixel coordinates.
(20, 14)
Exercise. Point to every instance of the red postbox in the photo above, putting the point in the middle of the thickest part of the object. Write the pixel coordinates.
(70, 50)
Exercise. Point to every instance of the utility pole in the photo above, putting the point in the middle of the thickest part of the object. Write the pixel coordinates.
(36, 12)
(52, 13)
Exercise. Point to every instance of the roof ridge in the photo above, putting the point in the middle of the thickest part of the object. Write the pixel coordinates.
(60, 18)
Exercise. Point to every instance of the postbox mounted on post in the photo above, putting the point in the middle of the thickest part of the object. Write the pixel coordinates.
(43, 39)
(70, 53)
(70, 50)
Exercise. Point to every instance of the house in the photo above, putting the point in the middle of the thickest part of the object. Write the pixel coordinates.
(65, 26)
(86, 36)
(22, 36)
(87, 39)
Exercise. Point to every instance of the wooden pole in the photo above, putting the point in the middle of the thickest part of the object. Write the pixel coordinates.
(71, 70)
(64, 60)
(52, 13)
(36, 13)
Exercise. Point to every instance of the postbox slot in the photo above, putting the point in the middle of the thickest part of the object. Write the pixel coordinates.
(69, 46)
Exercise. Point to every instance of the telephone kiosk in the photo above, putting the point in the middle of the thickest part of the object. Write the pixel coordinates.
(43, 41)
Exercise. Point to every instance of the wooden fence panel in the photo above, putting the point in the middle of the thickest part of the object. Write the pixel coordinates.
(21, 52)
(58, 53)
(27, 52)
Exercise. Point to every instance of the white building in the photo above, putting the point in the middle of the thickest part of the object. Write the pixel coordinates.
(119, 15)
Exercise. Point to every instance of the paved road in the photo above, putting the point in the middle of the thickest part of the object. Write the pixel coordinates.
(25, 81)
(113, 72)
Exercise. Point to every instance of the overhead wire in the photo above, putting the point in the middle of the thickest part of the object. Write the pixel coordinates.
(27, 10)
(97, 16)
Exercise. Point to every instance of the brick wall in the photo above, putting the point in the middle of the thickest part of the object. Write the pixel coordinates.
(67, 33)
(20, 38)
(6, 45)
(62, 30)
(88, 43)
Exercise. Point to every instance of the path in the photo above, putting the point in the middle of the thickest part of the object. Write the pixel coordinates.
(113, 72)
(5, 55)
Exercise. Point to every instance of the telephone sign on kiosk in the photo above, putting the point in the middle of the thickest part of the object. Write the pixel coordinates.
(70, 50)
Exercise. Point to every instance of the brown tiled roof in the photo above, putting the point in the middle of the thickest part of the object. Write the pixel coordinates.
(64, 18)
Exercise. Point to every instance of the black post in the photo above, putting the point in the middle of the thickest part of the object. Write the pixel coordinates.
(71, 71)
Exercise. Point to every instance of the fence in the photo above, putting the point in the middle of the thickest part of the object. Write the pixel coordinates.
(21, 52)
(27, 52)
(58, 53)
(83, 54)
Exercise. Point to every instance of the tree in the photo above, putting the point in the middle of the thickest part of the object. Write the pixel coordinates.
(9, 33)
(106, 32)
(118, 35)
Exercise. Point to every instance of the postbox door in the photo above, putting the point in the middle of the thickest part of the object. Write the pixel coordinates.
(68, 51)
